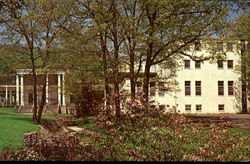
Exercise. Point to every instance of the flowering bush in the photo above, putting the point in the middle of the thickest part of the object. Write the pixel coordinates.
(143, 134)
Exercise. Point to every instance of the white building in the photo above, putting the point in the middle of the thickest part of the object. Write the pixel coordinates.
(204, 87)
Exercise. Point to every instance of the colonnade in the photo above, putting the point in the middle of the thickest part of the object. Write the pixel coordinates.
(20, 86)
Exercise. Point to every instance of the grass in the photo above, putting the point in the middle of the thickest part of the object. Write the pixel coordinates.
(13, 126)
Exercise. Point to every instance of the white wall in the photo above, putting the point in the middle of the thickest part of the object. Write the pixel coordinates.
(209, 75)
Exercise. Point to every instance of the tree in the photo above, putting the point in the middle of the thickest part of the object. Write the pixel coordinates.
(241, 31)
(32, 28)
(170, 27)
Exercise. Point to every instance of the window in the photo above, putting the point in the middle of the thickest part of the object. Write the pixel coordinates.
(198, 107)
(197, 46)
(197, 64)
(220, 88)
(161, 89)
(187, 64)
(162, 107)
(187, 88)
(221, 107)
(197, 88)
(230, 64)
(220, 46)
(139, 87)
(71, 99)
(152, 88)
(30, 98)
(220, 64)
(188, 107)
(230, 88)
(230, 47)
(2, 94)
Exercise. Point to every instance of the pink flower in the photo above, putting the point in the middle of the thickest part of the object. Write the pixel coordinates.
(154, 128)
(220, 157)
(108, 123)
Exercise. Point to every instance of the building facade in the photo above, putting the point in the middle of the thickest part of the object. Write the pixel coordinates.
(18, 91)
(203, 87)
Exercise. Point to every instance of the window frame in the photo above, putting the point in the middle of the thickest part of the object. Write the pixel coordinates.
(230, 88)
(221, 88)
(197, 106)
(221, 105)
(218, 64)
(139, 87)
(189, 64)
(30, 98)
(231, 64)
(152, 89)
(188, 107)
(187, 87)
(197, 64)
(198, 88)
(161, 92)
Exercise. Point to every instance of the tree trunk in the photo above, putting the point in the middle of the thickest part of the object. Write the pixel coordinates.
(132, 75)
(34, 89)
(43, 100)
(243, 79)
(146, 80)
(116, 62)
(116, 86)
(105, 72)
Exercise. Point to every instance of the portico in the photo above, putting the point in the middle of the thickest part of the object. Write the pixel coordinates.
(55, 90)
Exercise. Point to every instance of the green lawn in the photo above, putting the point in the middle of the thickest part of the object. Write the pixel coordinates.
(13, 126)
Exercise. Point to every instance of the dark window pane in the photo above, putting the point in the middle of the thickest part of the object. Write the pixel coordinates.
(230, 64)
(221, 107)
(220, 63)
(187, 88)
(220, 88)
(187, 64)
(188, 107)
(197, 64)
(230, 88)
(198, 107)
(198, 88)
(30, 98)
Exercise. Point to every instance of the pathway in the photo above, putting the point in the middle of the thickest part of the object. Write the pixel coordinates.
(238, 120)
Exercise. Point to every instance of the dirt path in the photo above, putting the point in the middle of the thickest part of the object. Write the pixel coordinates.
(238, 120)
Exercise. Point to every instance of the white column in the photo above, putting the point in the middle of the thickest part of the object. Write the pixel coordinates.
(47, 89)
(22, 100)
(63, 91)
(17, 90)
(6, 95)
(59, 90)
(10, 98)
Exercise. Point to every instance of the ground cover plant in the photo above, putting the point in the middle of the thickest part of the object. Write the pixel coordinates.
(13, 126)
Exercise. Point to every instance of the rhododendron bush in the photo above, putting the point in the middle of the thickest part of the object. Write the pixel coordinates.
(143, 134)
